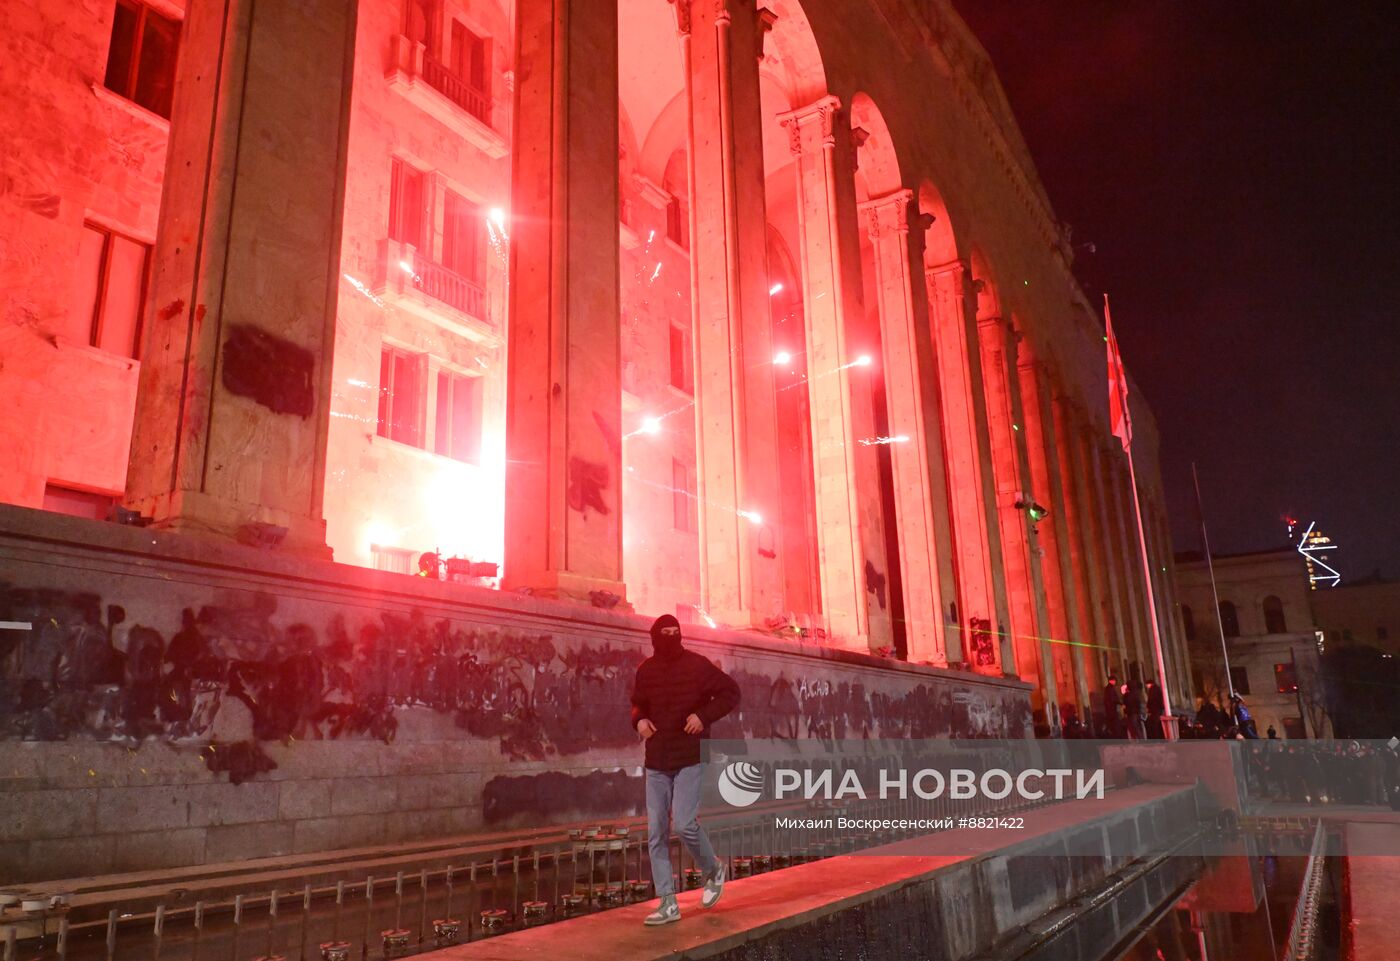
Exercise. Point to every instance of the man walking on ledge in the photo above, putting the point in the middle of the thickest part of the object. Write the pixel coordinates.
(676, 697)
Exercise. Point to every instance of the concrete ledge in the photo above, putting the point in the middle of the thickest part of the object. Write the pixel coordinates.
(1017, 877)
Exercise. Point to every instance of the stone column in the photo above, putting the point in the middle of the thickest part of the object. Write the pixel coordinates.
(563, 425)
(1019, 644)
(1109, 547)
(831, 298)
(1061, 515)
(735, 411)
(1078, 521)
(233, 409)
(972, 491)
(1036, 542)
(1102, 575)
(1039, 433)
(911, 384)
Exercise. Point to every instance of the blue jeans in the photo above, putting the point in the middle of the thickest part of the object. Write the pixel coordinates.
(673, 799)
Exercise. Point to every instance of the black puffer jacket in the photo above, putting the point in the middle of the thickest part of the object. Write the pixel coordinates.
(669, 688)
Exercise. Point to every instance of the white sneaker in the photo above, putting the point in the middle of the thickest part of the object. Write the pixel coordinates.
(714, 887)
(666, 912)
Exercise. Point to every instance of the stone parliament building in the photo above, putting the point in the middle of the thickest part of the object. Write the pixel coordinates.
(755, 313)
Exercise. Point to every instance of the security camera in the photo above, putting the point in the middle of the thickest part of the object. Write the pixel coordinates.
(1033, 510)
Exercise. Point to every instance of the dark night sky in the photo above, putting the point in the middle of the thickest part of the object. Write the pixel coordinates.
(1237, 166)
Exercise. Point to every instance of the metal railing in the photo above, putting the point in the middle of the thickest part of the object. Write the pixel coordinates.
(442, 79)
(1302, 933)
(431, 899)
(451, 288)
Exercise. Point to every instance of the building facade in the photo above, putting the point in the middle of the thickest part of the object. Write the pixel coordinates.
(1360, 613)
(1270, 636)
(684, 307)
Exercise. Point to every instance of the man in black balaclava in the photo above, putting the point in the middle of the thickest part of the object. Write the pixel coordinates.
(676, 697)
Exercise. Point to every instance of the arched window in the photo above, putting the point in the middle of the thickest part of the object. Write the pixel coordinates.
(1274, 622)
(1229, 619)
(1188, 622)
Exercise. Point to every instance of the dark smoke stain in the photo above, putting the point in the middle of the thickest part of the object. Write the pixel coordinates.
(275, 373)
(242, 760)
(558, 795)
(587, 481)
(875, 583)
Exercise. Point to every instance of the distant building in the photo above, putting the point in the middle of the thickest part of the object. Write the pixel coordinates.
(1362, 613)
(1270, 636)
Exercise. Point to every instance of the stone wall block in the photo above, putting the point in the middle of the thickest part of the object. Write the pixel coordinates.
(237, 842)
(363, 795)
(48, 814)
(126, 809)
(150, 850)
(324, 834)
(213, 804)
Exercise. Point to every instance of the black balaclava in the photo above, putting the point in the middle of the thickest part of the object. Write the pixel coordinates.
(666, 647)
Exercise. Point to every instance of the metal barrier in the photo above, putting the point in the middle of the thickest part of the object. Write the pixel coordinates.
(1302, 932)
(383, 917)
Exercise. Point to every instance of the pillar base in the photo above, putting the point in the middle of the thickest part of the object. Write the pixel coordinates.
(1171, 727)
(561, 585)
(201, 515)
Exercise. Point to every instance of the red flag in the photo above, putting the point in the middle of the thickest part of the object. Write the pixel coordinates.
(1118, 416)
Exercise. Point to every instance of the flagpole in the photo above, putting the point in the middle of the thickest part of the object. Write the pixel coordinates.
(1151, 597)
(1214, 594)
(1168, 728)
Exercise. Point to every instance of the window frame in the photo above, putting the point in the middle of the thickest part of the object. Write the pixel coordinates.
(478, 43)
(104, 273)
(404, 555)
(432, 42)
(1229, 626)
(458, 209)
(398, 170)
(444, 432)
(384, 426)
(133, 71)
(1239, 678)
(687, 365)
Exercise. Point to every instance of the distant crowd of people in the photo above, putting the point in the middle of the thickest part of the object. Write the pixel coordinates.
(1134, 711)
(1297, 771)
(1326, 772)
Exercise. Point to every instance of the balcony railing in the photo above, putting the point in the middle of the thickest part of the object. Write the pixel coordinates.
(441, 78)
(450, 287)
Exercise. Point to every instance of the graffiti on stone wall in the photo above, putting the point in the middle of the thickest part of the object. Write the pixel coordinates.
(77, 675)
(235, 674)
